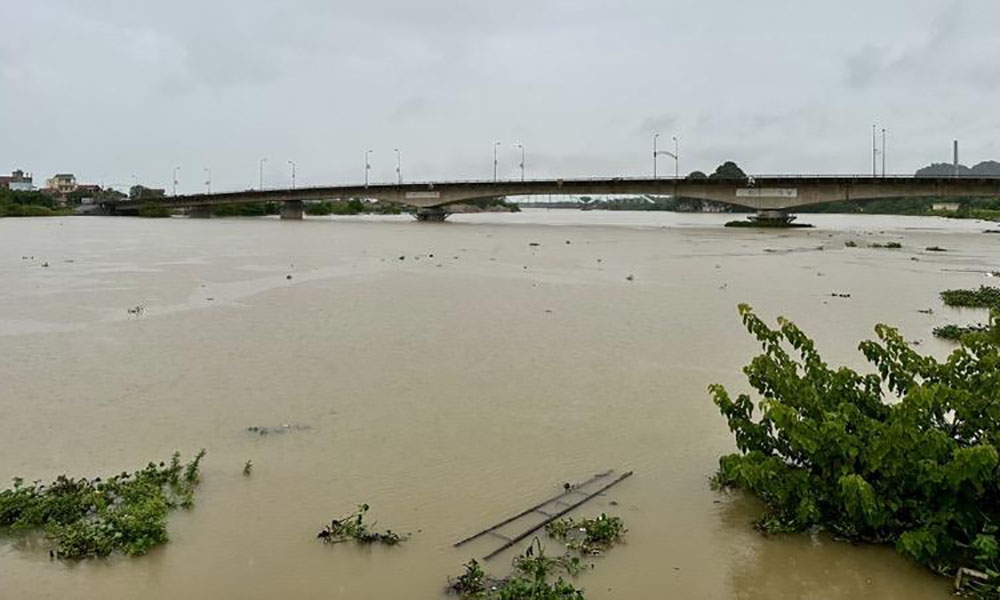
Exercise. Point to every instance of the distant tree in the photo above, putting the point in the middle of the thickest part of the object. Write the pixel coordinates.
(987, 168)
(138, 191)
(942, 170)
(728, 170)
(697, 175)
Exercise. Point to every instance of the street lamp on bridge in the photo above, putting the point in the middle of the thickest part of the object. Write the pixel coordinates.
(521, 146)
(208, 180)
(496, 160)
(260, 174)
(368, 166)
(175, 180)
(399, 171)
(292, 162)
(674, 155)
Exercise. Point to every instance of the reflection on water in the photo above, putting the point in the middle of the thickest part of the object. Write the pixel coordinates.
(448, 375)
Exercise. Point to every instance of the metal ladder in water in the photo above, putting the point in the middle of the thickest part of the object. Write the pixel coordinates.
(557, 506)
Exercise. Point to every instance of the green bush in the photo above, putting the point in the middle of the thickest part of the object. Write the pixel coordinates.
(906, 455)
(88, 518)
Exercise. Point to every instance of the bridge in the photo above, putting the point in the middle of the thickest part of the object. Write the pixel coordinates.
(772, 196)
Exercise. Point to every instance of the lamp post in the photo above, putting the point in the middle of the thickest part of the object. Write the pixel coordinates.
(677, 158)
(496, 160)
(521, 146)
(656, 136)
(175, 180)
(883, 152)
(674, 155)
(208, 180)
(399, 170)
(368, 166)
(874, 150)
(260, 174)
(292, 162)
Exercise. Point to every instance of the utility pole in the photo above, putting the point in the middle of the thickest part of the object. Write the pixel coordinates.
(175, 180)
(399, 170)
(368, 166)
(208, 180)
(521, 146)
(292, 162)
(496, 160)
(260, 174)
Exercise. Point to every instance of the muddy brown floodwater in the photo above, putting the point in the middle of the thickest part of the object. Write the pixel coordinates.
(447, 374)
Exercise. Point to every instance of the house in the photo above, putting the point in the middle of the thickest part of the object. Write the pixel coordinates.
(18, 181)
(61, 183)
(87, 192)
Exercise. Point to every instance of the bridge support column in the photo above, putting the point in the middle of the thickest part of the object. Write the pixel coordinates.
(292, 211)
(778, 218)
(200, 212)
(436, 215)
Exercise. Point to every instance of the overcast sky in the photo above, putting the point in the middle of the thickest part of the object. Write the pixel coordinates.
(110, 88)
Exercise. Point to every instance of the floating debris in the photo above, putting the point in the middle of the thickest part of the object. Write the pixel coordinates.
(45, 264)
(137, 311)
(926, 311)
(248, 468)
(630, 277)
(353, 527)
(935, 249)
(839, 295)
(284, 428)
(289, 276)
(534, 244)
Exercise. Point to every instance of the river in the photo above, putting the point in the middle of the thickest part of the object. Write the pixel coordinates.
(446, 374)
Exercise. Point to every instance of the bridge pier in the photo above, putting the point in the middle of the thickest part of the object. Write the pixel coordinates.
(200, 212)
(436, 214)
(292, 210)
(777, 218)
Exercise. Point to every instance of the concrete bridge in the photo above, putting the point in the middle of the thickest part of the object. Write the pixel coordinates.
(772, 196)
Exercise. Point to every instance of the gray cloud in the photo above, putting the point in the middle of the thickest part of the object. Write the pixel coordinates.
(108, 88)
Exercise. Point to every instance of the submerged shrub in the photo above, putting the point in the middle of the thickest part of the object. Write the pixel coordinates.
(536, 576)
(353, 527)
(89, 518)
(906, 455)
(588, 536)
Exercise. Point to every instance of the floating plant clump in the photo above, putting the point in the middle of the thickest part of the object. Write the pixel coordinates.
(353, 527)
(84, 518)
(588, 536)
(536, 576)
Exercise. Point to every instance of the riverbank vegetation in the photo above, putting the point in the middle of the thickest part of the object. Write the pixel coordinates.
(907, 455)
(29, 204)
(85, 518)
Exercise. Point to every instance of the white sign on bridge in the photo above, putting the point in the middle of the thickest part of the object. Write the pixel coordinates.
(767, 193)
(422, 195)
